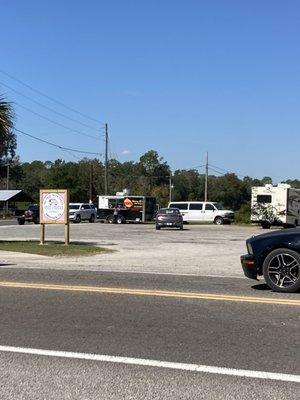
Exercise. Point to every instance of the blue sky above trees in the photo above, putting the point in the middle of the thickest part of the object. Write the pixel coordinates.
(182, 78)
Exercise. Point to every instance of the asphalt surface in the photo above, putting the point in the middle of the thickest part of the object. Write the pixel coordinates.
(228, 334)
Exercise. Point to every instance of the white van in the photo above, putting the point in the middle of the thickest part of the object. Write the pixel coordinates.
(201, 211)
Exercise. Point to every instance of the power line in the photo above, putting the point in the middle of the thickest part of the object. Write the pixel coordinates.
(56, 123)
(55, 145)
(49, 97)
(226, 171)
(48, 108)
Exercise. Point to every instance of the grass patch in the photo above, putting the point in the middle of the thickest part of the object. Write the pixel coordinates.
(52, 249)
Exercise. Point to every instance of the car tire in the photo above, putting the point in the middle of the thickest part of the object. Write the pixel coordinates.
(110, 219)
(157, 227)
(181, 228)
(219, 221)
(92, 219)
(78, 219)
(266, 225)
(281, 270)
(21, 221)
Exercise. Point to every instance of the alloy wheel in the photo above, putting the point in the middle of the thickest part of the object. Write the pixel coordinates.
(283, 270)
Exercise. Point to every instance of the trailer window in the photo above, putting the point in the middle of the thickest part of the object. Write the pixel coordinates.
(264, 198)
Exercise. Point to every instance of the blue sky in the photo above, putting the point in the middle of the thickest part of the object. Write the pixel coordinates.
(180, 77)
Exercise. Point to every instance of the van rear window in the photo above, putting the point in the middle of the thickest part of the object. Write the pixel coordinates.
(180, 206)
(264, 198)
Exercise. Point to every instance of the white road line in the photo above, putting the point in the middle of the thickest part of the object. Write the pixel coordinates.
(155, 363)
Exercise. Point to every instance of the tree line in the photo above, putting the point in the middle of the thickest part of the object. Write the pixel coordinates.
(149, 176)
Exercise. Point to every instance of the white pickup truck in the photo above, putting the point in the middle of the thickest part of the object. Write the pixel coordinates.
(82, 211)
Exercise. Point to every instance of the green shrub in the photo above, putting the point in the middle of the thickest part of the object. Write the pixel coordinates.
(242, 216)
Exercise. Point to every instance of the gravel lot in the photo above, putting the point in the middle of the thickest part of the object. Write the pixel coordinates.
(198, 249)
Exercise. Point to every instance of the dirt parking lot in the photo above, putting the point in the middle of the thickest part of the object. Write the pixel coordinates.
(198, 249)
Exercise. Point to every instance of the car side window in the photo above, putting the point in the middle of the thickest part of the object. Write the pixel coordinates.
(86, 206)
(209, 207)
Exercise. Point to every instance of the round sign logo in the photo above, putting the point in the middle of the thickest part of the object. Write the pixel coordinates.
(53, 206)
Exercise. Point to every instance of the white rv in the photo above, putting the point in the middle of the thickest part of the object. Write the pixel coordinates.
(275, 205)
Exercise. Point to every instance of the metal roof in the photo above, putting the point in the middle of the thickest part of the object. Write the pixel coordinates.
(14, 195)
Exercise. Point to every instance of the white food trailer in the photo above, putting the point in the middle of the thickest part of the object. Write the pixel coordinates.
(275, 205)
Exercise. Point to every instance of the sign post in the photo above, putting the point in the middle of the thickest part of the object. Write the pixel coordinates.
(54, 209)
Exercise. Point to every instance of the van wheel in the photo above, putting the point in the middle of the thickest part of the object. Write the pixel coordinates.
(219, 221)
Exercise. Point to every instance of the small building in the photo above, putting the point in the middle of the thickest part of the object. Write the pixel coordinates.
(11, 199)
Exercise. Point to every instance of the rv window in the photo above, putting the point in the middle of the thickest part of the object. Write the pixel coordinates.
(196, 206)
(180, 206)
(264, 198)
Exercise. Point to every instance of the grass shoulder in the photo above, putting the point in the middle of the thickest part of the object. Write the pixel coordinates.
(53, 249)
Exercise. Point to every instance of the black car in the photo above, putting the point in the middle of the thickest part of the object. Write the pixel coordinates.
(276, 256)
(32, 214)
(168, 217)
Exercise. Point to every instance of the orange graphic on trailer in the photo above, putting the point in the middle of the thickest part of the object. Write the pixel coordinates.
(128, 203)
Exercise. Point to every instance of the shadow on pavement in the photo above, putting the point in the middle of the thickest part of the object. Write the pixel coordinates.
(261, 286)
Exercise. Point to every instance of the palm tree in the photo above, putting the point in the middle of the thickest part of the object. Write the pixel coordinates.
(7, 138)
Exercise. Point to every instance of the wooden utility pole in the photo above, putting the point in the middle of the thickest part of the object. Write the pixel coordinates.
(106, 161)
(170, 187)
(206, 178)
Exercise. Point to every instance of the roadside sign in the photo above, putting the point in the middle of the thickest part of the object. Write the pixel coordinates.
(54, 209)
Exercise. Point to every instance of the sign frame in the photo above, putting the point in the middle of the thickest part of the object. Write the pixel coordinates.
(62, 219)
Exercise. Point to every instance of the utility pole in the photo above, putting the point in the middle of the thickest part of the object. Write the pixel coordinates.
(170, 186)
(7, 176)
(106, 161)
(91, 184)
(206, 178)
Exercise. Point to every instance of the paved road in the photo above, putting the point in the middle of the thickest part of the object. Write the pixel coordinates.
(150, 317)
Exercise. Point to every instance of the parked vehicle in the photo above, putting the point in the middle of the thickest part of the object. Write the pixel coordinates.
(168, 217)
(201, 211)
(82, 211)
(275, 205)
(130, 208)
(32, 214)
(276, 256)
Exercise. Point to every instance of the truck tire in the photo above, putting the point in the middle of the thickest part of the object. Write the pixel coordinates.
(110, 219)
(121, 220)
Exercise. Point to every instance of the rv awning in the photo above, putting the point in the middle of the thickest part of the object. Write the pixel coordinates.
(14, 195)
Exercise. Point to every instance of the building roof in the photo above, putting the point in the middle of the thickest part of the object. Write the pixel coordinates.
(14, 195)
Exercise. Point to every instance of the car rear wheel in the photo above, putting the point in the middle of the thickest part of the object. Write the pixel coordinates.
(219, 221)
(281, 270)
